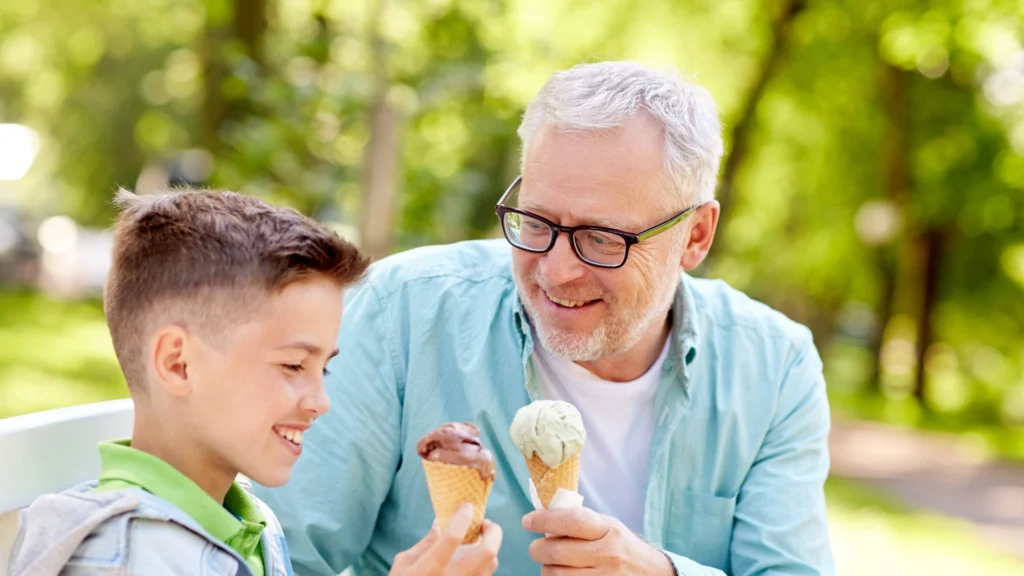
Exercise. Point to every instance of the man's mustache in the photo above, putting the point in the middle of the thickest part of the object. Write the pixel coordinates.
(569, 290)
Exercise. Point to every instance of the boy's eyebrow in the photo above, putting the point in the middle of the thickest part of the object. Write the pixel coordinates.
(308, 347)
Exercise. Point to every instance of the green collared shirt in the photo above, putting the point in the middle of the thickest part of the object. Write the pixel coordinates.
(238, 522)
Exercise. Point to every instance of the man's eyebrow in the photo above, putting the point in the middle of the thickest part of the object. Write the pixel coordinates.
(535, 208)
(604, 223)
(600, 222)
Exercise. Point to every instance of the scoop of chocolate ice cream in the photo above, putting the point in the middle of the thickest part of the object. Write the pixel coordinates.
(458, 444)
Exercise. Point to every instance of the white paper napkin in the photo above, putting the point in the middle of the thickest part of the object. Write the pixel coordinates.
(562, 499)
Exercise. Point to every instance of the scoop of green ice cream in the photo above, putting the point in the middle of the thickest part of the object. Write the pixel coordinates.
(551, 429)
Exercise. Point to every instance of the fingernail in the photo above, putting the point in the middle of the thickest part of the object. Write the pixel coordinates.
(528, 521)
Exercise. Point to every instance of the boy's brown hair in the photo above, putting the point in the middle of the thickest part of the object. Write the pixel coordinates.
(205, 259)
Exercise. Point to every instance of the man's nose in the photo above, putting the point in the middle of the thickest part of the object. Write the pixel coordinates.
(561, 265)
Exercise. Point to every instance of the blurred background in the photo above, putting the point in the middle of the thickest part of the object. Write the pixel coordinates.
(873, 190)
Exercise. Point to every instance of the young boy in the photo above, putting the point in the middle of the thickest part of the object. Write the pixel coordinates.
(224, 312)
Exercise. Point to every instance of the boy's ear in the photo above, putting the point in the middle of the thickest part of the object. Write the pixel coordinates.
(171, 348)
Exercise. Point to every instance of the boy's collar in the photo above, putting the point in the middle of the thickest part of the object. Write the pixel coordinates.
(237, 522)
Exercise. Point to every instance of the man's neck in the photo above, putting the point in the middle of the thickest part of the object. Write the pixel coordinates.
(188, 457)
(635, 362)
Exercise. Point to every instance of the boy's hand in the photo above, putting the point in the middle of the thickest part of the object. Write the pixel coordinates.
(442, 553)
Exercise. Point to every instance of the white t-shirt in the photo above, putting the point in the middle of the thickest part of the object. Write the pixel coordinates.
(619, 418)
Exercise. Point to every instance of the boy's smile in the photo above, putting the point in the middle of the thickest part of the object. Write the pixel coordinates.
(292, 437)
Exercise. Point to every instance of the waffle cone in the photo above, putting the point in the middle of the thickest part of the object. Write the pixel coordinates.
(549, 480)
(451, 486)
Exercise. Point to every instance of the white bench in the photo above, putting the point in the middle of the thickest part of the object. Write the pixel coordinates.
(49, 452)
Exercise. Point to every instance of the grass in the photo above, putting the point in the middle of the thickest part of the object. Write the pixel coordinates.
(55, 354)
(873, 534)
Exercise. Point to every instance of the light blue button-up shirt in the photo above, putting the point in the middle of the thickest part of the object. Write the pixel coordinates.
(738, 456)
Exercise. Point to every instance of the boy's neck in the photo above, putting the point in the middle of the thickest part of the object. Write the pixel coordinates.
(188, 457)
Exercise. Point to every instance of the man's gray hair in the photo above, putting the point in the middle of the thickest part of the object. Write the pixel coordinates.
(607, 94)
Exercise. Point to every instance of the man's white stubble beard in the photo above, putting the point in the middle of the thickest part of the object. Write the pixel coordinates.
(616, 335)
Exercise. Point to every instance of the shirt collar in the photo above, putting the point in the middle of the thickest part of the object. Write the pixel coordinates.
(238, 522)
(684, 318)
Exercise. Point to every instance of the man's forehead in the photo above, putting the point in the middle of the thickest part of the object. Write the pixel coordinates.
(593, 204)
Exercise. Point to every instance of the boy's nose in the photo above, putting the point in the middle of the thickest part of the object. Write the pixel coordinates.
(316, 401)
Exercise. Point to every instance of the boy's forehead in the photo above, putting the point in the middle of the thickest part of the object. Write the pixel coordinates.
(302, 312)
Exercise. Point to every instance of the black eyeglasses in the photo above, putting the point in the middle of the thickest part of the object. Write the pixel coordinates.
(594, 245)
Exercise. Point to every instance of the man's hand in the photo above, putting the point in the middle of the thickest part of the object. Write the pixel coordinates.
(441, 553)
(584, 542)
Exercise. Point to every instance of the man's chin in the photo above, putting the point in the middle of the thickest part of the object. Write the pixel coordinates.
(572, 346)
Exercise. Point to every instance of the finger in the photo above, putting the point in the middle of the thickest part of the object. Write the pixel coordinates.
(581, 523)
(481, 557)
(491, 537)
(473, 561)
(440, 552)
(566, 571)
(410, 556)
(566, 552)
(425, 543)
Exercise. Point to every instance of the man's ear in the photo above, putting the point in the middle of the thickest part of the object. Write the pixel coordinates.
(170, 349)
(702, 233)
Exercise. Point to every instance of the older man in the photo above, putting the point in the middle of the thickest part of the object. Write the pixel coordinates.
(706, 411)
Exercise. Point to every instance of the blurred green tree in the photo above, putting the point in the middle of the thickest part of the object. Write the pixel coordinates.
(872, 187)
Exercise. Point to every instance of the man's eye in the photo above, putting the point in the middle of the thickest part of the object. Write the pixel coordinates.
(326, 371)
(293, 367)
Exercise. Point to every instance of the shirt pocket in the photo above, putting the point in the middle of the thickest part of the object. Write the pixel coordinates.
(699, 527)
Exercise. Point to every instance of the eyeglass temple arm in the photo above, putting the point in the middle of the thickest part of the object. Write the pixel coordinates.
(666, 225)
(511, 187)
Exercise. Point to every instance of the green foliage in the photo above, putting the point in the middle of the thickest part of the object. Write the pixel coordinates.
(283, 98)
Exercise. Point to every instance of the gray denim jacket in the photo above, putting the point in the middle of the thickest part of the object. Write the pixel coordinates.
(129, 532)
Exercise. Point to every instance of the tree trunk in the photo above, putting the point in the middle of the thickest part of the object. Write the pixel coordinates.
(380, 179)
(250, 27)
(929, 248)
(743, 128)
(245, 21)
(382, 154)
(884, 312)
(895, 162)
(215, 72)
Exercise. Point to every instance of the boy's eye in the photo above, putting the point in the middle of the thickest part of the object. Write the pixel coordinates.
(299, 368)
